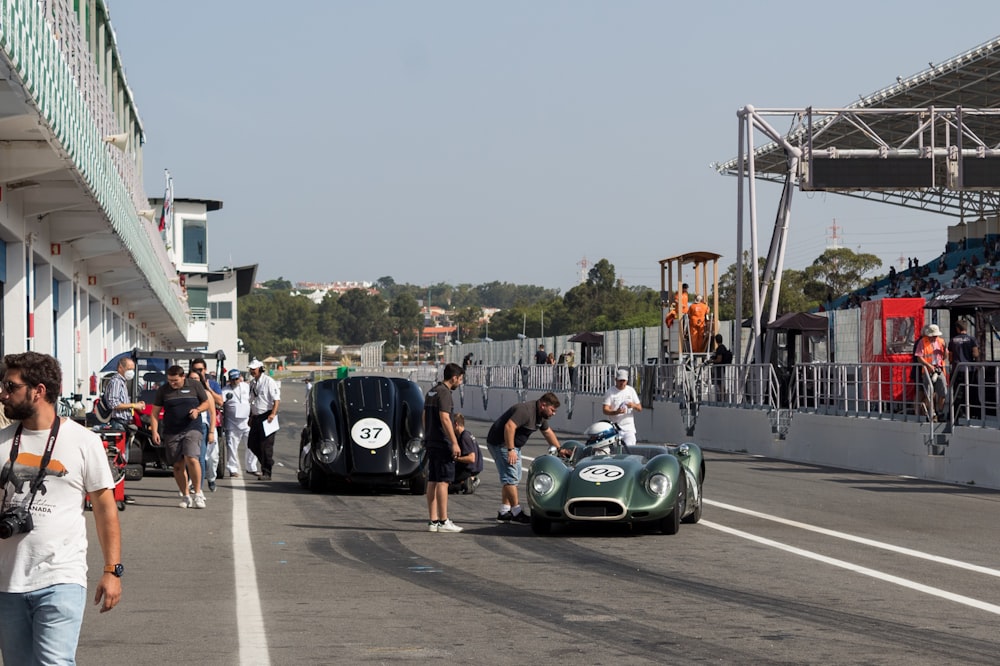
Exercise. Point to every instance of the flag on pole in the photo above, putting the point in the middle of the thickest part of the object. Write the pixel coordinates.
(167, 213)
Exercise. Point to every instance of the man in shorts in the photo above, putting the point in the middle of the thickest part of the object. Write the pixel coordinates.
(441, 444)
(506, 437)
(183, 402)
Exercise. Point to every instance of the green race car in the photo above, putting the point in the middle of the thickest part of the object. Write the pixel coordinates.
(605, 481)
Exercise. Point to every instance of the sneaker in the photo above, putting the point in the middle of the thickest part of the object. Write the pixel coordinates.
(211, 486)
(199, 501)
(448, 526)
(504, 517)
(185, 502)
(475, 482)
(267, 477)
(432, 526)
(129, 499)
(521, 518)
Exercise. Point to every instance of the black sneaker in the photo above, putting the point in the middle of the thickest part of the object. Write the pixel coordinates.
(521, 518)
(504, 517)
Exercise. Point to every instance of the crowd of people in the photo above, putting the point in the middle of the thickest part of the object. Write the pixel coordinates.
(917, 281)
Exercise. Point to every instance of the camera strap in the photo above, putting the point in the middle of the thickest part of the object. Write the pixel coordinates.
(15, 447)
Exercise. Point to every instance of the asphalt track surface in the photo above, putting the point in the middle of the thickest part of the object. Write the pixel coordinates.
(791, 564)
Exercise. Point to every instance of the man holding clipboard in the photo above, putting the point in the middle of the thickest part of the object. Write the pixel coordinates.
(265, 396)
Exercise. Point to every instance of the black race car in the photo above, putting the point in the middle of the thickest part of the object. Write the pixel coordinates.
(364, 431)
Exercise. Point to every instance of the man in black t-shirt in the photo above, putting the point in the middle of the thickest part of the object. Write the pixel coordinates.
(721, 357)
(962, 351)
(441, 444)
(183, 401)
(506, 437)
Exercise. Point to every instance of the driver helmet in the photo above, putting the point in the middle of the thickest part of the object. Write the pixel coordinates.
(602, 436)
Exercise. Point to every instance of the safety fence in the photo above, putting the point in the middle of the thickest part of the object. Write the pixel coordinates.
(890, 391)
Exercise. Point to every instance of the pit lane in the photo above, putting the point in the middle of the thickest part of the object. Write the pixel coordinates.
(356, 578)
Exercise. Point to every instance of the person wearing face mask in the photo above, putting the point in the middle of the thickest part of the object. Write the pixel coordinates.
(116, 399)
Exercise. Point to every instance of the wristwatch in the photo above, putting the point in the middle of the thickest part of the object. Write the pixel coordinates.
(115, 569)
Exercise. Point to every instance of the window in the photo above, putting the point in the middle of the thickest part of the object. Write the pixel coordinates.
(198, 302)
(221, 310)
(195, 248)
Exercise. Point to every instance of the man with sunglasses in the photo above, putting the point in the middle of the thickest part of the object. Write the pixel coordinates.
(50, 465)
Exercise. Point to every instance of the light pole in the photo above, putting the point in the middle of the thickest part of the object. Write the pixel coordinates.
(543, 324)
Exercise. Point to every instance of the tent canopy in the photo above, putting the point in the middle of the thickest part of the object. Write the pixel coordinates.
(799, 321)
(588, 338)
(970, 298)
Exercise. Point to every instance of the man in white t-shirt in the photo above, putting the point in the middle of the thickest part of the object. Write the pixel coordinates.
(43, 559)
(620, 401)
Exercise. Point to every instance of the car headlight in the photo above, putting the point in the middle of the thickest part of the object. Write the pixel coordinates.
(414, 449)
(541, 483)
(683, 450)
(658, 484)
(327, 451)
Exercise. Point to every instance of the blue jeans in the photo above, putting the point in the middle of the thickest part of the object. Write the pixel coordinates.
(203, 456)
(43, 626)
(510, 475)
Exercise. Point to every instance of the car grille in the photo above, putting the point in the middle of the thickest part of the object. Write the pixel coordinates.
(583, 508)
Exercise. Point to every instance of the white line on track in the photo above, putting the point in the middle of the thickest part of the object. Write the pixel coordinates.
(249, 617)
(856, 539)
(865, 571)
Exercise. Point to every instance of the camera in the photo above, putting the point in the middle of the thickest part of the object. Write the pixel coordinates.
(15, 521)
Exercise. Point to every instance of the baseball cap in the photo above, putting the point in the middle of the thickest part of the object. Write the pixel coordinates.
(621, 374)
(234, 373)
(254, 364)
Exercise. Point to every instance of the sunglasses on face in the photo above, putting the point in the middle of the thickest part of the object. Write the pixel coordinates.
(9, 386)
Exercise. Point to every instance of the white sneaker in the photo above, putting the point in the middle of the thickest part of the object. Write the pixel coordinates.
(199, 501)
(448, 526)
(432, 526)
(185, 502)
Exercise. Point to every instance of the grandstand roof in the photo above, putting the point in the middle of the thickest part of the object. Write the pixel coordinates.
(970, 80)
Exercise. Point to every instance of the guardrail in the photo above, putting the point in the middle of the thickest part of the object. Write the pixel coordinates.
(868, 390)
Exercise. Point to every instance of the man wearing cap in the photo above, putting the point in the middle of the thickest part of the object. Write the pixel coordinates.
(929, 356)
(265, 396)
(620, 401)
(236, 410)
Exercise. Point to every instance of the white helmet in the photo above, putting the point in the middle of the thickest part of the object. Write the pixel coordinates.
(602, 436)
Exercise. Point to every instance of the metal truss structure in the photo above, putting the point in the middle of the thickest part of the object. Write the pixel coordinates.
(929, 142)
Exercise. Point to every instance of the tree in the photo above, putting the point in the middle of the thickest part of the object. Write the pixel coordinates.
(281, 284)
(468, 320)
(406, 316)
(363, 317)
(800, 290)
(841, 270)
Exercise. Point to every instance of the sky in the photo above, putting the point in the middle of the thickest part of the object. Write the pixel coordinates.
(467, 142)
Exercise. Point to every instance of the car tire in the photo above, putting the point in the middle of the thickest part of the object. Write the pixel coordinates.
(539, 525)
(671, 523)
(418, 484)
(317, 483)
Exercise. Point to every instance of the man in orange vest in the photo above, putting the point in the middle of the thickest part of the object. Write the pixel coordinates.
(929, 356)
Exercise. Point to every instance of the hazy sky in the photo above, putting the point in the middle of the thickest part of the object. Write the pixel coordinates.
(465, 141)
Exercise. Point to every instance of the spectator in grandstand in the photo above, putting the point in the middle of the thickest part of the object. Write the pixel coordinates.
(929, 356)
